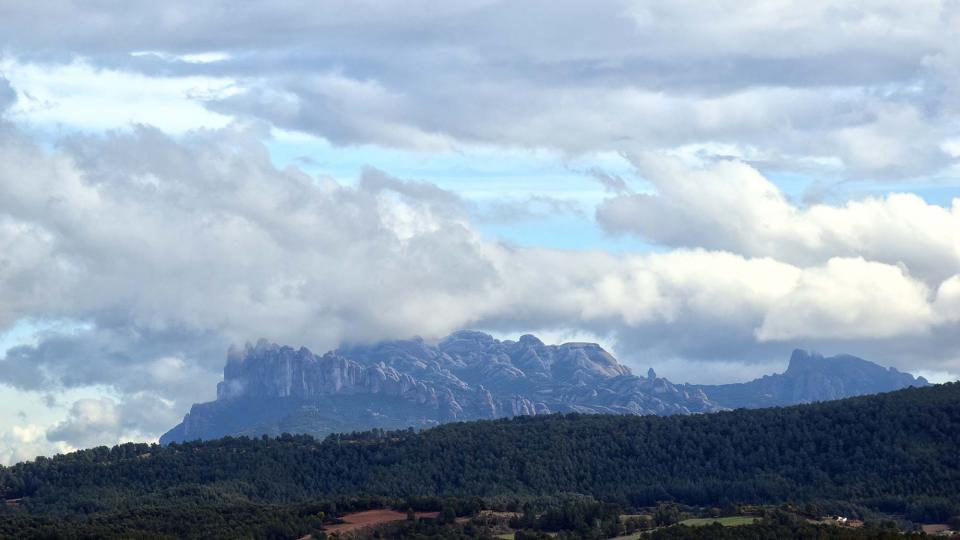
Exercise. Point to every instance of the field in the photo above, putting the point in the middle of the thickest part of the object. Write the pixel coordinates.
(360, 520)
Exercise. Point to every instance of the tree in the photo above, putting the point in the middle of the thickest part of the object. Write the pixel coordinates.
(447, 515)
(666, 513)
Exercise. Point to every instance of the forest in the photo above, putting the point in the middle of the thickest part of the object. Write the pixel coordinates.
(894, 453)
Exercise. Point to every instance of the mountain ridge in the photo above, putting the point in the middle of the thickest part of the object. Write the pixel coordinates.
(469, 375)
(812, 377)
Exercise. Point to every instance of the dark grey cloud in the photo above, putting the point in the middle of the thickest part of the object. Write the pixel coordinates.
(662, 46)
(128, 358)
(612, 183)
(789, 126)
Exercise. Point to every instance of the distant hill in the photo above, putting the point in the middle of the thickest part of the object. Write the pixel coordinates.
(272, 389)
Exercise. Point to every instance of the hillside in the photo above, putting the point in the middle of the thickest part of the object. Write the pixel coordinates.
(896, 452)
(271, 389)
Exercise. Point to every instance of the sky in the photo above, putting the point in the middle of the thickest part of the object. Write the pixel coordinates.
(701, 187)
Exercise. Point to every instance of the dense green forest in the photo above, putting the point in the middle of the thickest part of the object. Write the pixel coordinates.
(896, 453)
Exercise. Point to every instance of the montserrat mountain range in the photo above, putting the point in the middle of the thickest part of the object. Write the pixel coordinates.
(270, 389)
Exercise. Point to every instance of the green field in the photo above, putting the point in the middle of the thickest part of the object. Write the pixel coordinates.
(725, 521)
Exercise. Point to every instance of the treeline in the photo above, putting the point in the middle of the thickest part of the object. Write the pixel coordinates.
(187, 519)
(578, 520)
(896, 452)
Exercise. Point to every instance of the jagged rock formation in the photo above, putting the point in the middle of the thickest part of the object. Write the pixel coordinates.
(270, 389)
(811, 377)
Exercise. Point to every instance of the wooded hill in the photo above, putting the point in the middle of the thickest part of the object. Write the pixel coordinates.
(897, 452)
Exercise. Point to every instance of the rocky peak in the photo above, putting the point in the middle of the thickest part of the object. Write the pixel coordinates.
(530, 341)
(802, 361)
(845, 366)
(812, 377)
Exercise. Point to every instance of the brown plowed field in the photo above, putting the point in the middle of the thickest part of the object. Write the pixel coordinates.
(370, 518)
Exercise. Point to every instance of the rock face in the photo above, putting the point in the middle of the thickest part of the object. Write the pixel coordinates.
(271, 389)
(811, 377)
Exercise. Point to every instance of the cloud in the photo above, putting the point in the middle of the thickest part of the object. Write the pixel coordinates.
(795, 127)
(729, 205)
(90, 422)
(850, 299)
(7, 94)
(233, 247)
(612, 183)
(96, 421)
(897, 141)
(863, 91)
(344, 110)
(27, 441)
(947, 304)
(131, 357)
(86, 96)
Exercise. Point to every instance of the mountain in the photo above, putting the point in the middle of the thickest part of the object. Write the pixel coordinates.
(811, 377)
(894, 452)
(272, 389)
